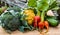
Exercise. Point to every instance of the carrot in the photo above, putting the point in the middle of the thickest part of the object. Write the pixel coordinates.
(46, 24)
(41, 25)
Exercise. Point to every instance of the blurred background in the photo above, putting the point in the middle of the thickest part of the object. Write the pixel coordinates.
(22, 4)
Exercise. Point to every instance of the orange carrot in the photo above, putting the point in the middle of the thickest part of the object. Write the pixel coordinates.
(46, 24)
(41, 25)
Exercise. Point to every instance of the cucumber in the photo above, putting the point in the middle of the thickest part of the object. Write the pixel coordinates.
(52, 22)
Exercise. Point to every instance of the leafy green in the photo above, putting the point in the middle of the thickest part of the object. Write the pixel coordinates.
(21, 28)
(42, 5)
(32, 3)
(24, 24)
(53, 5)
(56, 8)
(52, 1)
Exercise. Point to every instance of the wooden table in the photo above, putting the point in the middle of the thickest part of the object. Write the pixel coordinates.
(52, 31)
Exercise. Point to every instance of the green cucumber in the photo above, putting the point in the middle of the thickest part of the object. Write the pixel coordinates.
(52, 22)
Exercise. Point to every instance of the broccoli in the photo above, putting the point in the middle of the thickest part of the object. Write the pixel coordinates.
(10, 22)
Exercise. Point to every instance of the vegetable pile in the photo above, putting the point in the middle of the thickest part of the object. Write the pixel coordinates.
(34, 17)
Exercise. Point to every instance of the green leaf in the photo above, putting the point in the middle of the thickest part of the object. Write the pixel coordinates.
(52, 1)
(42, 5)
(24, 23)
(53, 5)
(28, 27)
(32, 3)
(21, 28)
(56, 8)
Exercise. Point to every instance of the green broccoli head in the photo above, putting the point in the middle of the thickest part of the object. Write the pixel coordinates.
(10, 22)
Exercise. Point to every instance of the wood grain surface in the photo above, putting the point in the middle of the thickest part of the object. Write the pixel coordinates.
(52, 31)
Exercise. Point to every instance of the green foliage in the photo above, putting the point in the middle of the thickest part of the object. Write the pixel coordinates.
(24, 25)
(53, 6)
(43, 5)
(2, 9)
(32, 3)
